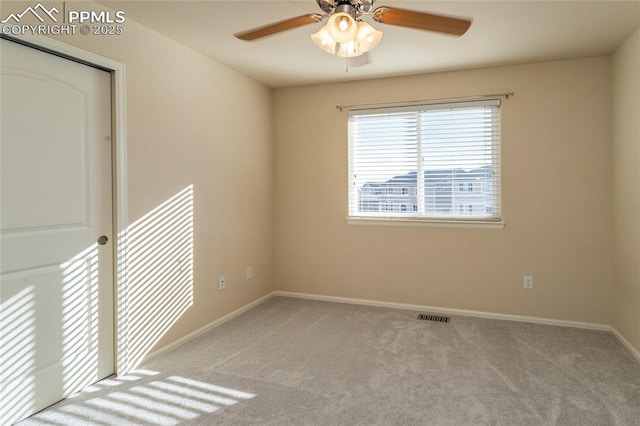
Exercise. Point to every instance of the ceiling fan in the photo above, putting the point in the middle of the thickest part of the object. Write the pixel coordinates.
(345, 25)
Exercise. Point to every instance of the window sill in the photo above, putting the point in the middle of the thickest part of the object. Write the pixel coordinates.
(427, 223)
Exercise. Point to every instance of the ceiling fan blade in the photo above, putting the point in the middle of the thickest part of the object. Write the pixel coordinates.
(277, 27)
(420, 20)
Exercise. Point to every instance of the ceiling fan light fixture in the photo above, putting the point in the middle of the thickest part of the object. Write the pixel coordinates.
(350, 49)
(324, 40)
(367, 37)
(342, 27)
(345, 25)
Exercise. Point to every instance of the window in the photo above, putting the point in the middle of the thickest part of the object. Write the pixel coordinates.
(433, 150)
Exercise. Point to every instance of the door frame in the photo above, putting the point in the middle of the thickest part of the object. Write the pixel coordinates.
(118, 177)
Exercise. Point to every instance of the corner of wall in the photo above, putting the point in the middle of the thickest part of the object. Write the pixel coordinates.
(626, 191)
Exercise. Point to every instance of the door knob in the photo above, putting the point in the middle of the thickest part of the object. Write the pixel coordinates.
(103, 240)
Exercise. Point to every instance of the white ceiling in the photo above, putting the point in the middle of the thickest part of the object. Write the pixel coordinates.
(502, 32)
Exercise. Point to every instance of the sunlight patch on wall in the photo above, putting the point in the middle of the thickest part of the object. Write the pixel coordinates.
(49, 316)
(158, 275)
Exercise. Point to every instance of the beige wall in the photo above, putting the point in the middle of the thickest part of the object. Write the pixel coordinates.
(626, 189)
(557, 202)
(193, 121)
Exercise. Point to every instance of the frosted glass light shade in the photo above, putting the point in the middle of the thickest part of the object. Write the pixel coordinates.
(324, 40)
(367, 37)
(342, 27)
(350, 49)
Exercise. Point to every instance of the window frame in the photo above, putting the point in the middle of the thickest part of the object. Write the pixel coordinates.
(395, 219)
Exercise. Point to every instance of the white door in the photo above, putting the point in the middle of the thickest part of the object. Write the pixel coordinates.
(56, 288)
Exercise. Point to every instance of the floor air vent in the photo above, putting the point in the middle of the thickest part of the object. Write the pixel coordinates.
(435, 318)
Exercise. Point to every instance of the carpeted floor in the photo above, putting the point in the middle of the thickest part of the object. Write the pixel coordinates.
(300, 362)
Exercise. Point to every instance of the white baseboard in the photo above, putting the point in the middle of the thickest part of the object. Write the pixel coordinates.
(394, 305)
(626, 343)
(439, 310)
(205, 328)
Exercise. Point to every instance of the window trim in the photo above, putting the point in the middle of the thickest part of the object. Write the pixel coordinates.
(435, 222)
(425, 223)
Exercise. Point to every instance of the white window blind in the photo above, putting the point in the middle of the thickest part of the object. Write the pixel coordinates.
(426, 162)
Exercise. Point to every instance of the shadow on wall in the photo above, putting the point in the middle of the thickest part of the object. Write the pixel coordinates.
(159, 276)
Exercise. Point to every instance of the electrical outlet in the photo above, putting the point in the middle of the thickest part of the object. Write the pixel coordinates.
(249, 272)
(220, 283)
(528, 282)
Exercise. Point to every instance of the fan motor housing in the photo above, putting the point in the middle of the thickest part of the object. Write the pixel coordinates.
(347, 7)
(354, 6)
